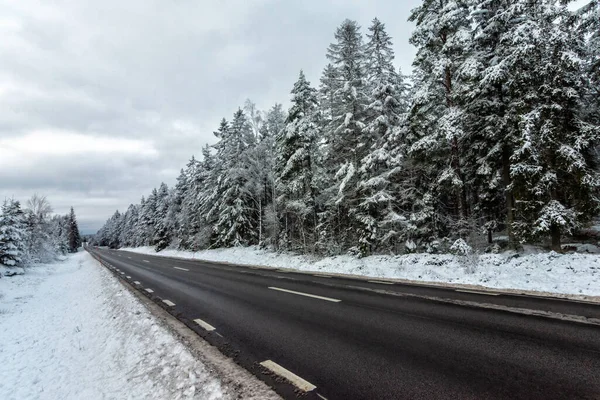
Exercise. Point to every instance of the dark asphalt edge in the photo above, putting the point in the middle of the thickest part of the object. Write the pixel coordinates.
(575, 298)
(279, 384)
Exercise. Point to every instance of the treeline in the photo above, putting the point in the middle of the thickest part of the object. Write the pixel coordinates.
(495, 133)
(33, 235)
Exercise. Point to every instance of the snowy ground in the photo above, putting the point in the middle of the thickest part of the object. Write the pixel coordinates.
(576, 274)
(71, 331)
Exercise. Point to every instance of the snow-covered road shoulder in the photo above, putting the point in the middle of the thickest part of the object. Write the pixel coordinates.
(545, 272)
(71, 331)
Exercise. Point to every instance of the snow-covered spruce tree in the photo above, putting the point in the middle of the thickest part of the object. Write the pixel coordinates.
(348, 142)
(262, 178)
(147, 228)
(329, 85)
(555, 185)
(58, 229)
(378, 202)
(209, 198)
(191, 187)
(112, 234)
(235, 206)
(162, 234)
(73, 232)
(435, 118)
(127, 236)
(294, 164)
(497, 78)
(588, 22)
(12, 234)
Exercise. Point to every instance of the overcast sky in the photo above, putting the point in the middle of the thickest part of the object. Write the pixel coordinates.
(104, 100)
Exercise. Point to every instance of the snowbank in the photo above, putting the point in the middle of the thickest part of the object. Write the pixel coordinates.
(71, 331)
(575, 273)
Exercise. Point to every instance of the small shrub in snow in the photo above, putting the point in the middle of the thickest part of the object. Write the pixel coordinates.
(461, 248)
(410, 246)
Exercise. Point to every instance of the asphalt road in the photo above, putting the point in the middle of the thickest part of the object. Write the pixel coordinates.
(345, 338)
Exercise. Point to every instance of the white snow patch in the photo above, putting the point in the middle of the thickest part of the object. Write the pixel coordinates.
(577, 274)
(70, 330)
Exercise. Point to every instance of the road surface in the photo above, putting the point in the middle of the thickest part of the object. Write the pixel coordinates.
(344, 338)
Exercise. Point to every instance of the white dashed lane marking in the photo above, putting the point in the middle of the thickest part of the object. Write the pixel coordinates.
(182, 269)
(149, 290)
(146, 261)
(205, 325)
(314, 296)
(169, 303)
(137, 282)
(476, 292)
(300, 383)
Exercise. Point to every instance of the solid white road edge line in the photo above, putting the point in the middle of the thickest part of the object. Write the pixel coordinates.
(289, 375)
(321, 396)
(305, 294)
(169, 303)
(183, 269)
(205, 325)
(476, 292)
(382, 282)
(149, 290)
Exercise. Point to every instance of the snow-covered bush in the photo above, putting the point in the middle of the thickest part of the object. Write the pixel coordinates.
(461, 248)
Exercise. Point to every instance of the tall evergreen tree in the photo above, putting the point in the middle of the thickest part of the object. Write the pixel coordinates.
(348, 141)
(555, 179)
(12, 234)
(384, 157)
(73, 232)
(435, 119)
(236, 219)
(295, 148)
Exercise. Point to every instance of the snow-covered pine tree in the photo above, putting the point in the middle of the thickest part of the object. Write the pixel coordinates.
(496, 79)
(127, 236)
(262, 177)
(294, 165)
(435, 118)
(58, 229)
(12, 234)
(162, 234)
(73, 232)
(348, 142)
(589, 26)
(378, 201)
(556, 186)
(147, 219)
(236, 207)
(329, 85)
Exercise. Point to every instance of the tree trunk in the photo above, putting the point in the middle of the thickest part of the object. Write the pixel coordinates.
(555, 234)
(510, 218)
